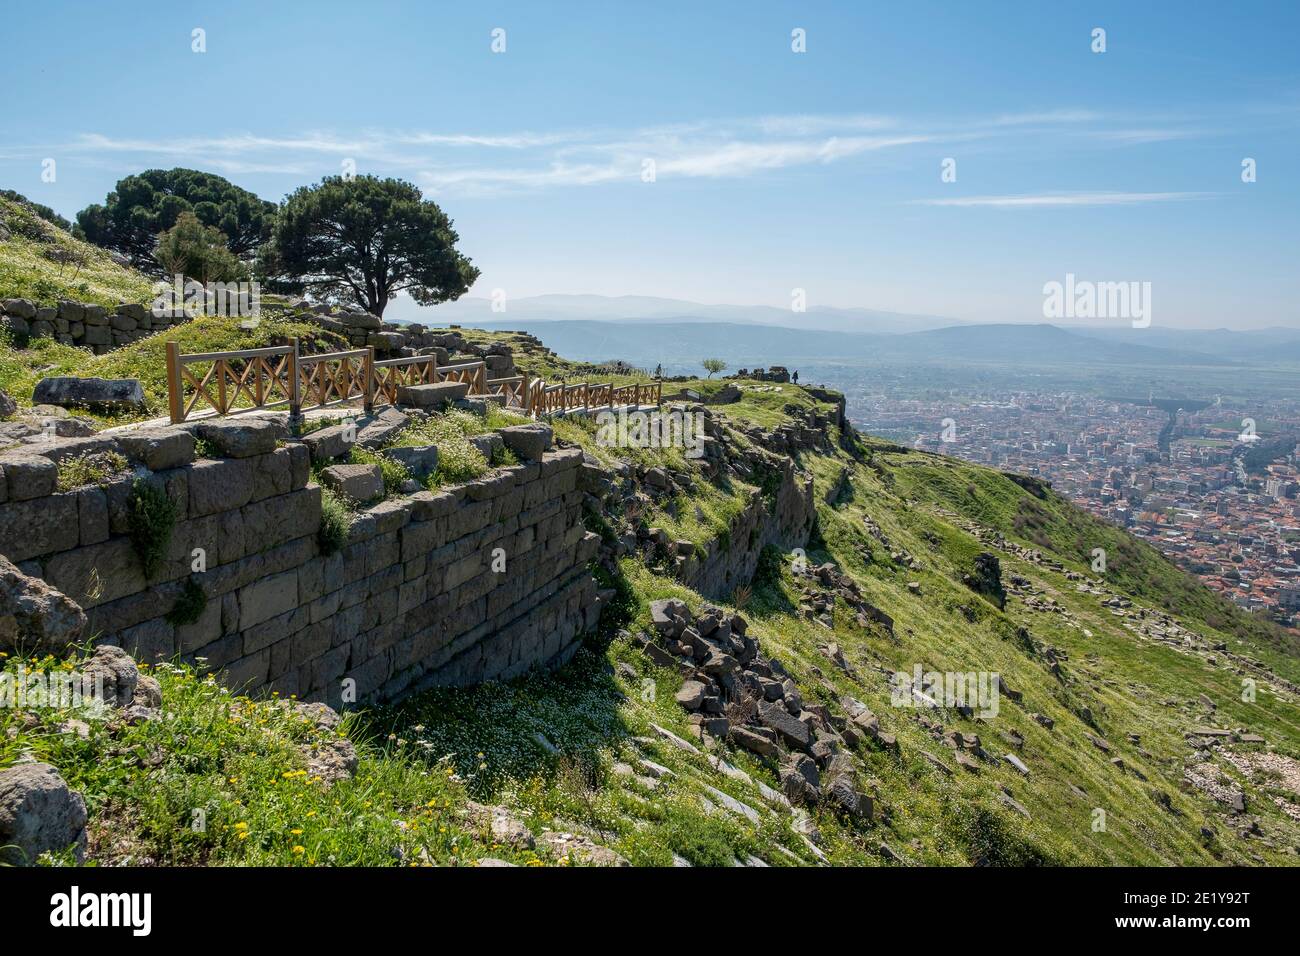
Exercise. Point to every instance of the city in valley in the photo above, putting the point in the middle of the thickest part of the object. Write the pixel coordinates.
(1215, 489)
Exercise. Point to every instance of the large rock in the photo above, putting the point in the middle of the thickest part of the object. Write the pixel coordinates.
(8, 407)
(242, 437)
(420, 460)
(333, 441)
(34, 617)
(39, 813)
(359, 482)
(528, 441)
(28, 476)
(789, 728)
(97, 394)
(158, 448)
(23, 308)
(431, 395)
(110, 675)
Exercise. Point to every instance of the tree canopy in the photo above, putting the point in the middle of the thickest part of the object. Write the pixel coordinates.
(363, 239)
(198, 252)
(143, 206)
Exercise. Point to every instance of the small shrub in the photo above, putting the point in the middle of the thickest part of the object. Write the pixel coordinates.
(152, 516)
(92, 468)
(335, 520)
(189, 606)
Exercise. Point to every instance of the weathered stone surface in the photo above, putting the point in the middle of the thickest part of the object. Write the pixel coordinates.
(793, 731)
(528, 442)
(431, 395)
(358, 482)
(420, 460)
(331, 760)
(579, 849)
(382, 428)
(39, 526)
(242, 437)
(29, 476)
(39, 813)
(34, 617)
(330, 442)
(692, 694)
(756, 740)
(158, 448)
(97, 394)
(111, 675)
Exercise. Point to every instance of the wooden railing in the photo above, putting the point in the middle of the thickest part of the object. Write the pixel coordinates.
(241, 381)
(543, 399)
(475, 373)
(392, 374)
(332, 378)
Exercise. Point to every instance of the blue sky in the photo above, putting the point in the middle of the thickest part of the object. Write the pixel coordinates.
(774, 170)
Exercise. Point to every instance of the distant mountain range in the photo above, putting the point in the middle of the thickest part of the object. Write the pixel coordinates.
(677, 333)
(470, 310)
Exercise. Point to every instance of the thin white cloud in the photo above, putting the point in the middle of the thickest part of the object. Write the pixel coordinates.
(1063, 199)
(501, 161)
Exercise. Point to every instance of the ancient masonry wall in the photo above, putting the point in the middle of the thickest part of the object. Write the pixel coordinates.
(411, 599)
(785, 523)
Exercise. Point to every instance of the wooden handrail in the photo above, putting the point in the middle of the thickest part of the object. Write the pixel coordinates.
(277, 375)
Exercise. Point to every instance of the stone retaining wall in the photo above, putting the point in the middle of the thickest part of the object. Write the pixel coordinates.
(410, 599)
(96, 327)
(785, 523)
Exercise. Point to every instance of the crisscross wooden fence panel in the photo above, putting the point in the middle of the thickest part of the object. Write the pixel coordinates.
(333, 378)
(392, 374)
(475, 373)
(514, 388)
(226, 383)
(229, 381)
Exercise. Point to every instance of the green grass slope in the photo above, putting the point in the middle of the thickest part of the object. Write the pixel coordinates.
(41, 262)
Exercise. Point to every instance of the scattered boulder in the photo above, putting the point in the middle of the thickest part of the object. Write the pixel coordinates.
(110, 675)
(96, 394)
(575, 848)
(39, 813)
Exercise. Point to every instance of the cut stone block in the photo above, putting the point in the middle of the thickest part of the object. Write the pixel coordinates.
(358, 482)
(432, 395)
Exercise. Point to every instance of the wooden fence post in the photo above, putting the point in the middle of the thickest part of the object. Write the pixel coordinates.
(295, 398)
(368, 375)
(175, 392)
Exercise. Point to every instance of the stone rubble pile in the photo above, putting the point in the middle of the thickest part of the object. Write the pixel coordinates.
(733, 692)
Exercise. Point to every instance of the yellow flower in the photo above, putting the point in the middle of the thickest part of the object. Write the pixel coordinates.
(241, 825)
(299, 849)
(296, 831)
